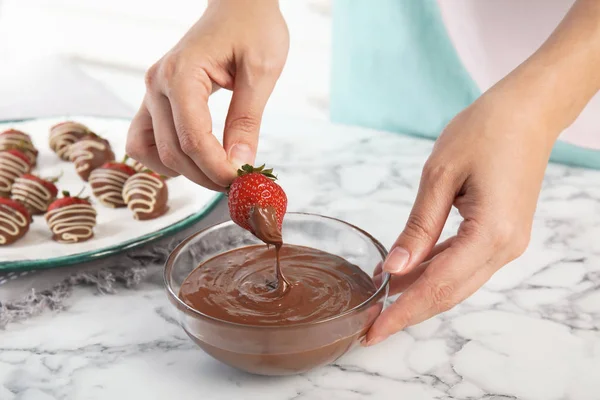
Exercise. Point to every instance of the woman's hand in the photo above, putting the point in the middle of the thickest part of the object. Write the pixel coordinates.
(489, 163)
(238, 45)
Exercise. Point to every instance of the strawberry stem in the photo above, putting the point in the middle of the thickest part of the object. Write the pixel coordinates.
(249, 169)
(125, 158)
(80, 192)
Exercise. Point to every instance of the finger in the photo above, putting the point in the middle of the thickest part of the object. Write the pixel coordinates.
(141, 145)
(167, 144)
(399, 283)
(437, 191)
(438, 248)
(192, 120)
(450, 277)
(242, 127)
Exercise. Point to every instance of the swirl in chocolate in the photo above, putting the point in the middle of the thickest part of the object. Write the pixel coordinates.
(107, 185)
(73, 223)
(11, 167)
(237, 286)
(33, 195)
(13, 224)
(13, 139)
(146, 196)
(63, 135)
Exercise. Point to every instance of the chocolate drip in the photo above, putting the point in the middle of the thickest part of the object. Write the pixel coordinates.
(263, 222)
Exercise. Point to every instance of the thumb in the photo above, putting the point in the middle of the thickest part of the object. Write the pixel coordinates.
(436, 194)
(250, 95)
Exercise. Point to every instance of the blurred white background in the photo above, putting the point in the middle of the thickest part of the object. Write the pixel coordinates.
(116, 41)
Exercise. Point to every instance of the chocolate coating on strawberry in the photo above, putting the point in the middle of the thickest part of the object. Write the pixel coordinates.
(14, 139)
(257, 203)
(34, 193)
(13, 164)
(71, 219)
(63, 135)
(146, 195)
(108, 181)
(90, 153)
(14, 221)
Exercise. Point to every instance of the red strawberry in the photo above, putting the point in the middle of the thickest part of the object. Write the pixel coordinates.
(20, 154)
(67, 200)
(16, 206)
(47, 183)
(152, 173)
(161, 177)
(255, 187)
(119, 166)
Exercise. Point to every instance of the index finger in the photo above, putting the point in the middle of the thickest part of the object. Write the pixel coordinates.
(193, 122)
(452, 276)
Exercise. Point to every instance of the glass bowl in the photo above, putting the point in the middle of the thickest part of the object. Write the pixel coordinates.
(287, 349)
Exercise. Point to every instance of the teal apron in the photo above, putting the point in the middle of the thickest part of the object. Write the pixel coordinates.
(394, 68)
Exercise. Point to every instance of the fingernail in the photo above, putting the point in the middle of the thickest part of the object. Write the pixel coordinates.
(396, 261)
(241, 154)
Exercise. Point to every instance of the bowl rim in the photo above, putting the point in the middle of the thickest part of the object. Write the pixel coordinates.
(169, 264)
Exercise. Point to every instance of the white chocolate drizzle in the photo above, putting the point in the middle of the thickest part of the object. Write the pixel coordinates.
(107, 185)
(73, 223)
(11, 223)
(81, 153)
(11, 167)
(145, 185)
(32, 194)
(64, 135)
(18, 139)
(137, 166)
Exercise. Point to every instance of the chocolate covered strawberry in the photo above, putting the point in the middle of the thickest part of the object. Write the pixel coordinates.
(71, 219)
(63, 135)
(34, 193)
(13, 164)
(89, 153)
(146, 195)
(108, 180)
(257, 203)
(14, 139)
(14, 221)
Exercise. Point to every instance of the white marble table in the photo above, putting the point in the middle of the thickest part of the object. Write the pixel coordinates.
(533, 332)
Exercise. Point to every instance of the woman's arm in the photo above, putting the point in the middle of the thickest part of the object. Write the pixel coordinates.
(489, 163)
(559, 79)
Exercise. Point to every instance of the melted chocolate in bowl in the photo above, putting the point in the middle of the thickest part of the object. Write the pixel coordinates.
(242, 286)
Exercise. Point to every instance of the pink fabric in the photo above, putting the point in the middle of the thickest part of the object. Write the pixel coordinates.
(492, 37)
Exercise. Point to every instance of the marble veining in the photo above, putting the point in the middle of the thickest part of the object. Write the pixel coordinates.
(532, 332)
